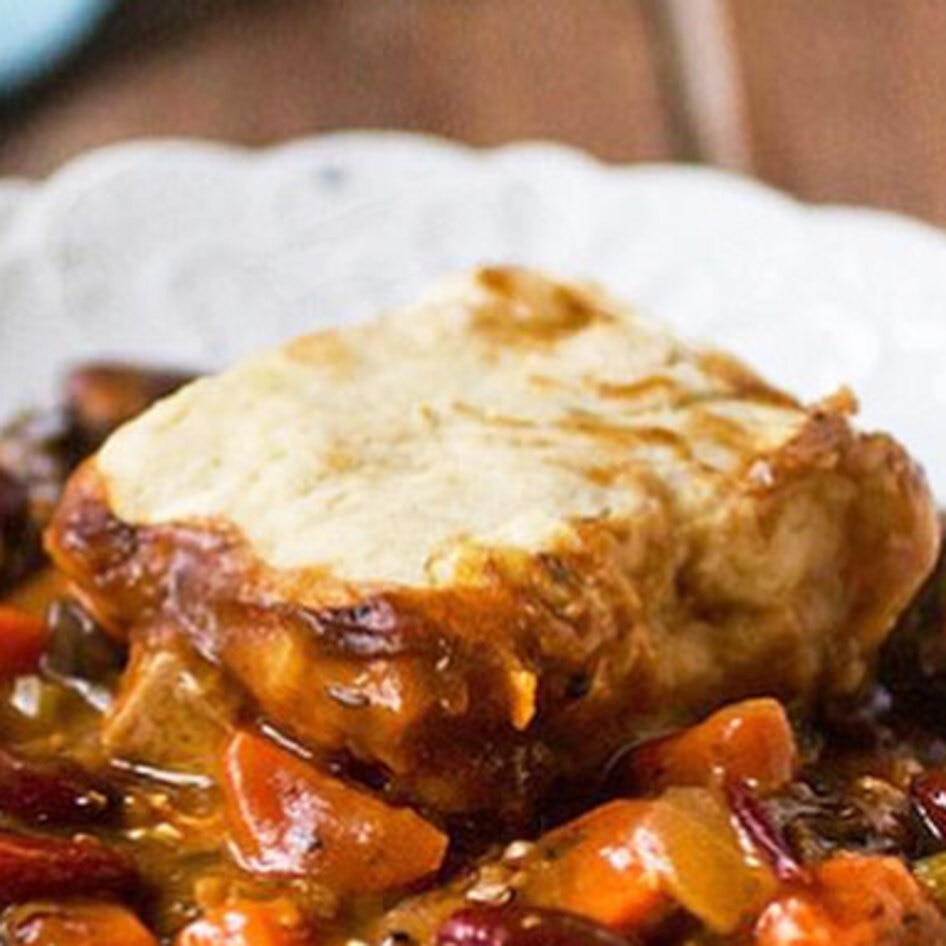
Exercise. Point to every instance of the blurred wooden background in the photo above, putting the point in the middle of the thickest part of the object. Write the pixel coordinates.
(840, 100)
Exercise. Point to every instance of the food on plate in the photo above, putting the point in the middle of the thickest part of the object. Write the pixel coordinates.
(480, 543)
(507, 619)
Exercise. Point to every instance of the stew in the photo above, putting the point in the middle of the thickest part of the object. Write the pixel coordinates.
(142, 803)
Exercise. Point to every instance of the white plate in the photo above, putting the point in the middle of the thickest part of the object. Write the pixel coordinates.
(195, 254)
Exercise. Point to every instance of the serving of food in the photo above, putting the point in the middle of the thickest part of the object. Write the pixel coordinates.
(507, 619)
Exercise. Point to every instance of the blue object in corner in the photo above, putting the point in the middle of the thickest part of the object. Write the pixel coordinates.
(36, 34)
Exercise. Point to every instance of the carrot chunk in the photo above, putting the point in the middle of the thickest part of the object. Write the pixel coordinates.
(77, 924)
(288, 818)
(628, 864)
(22, 642)
(592, 867)
(750, 741)
(248, 923)
(854, 901)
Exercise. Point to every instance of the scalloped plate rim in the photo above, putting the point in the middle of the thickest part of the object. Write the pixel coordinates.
(104, 158)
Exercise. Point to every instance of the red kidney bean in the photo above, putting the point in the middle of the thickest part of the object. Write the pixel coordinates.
(928, 796)
(44, 793)
(523, 926)
(33, 868)
(754, 820)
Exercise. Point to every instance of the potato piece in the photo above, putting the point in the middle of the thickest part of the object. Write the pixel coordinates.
(173, 713)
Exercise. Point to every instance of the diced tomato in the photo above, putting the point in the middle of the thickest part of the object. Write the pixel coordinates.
(592, 867)
(750, 741)
(288, 818)
(854, 901)
(76, 924)
(513, 925)
(248, 923)
(22, 642)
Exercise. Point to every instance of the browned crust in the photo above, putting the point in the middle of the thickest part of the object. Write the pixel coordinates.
(741, 381)
(450, 659)
(430, 684)
(529, 311)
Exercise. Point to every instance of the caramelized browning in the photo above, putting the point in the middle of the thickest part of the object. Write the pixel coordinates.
(464, 694)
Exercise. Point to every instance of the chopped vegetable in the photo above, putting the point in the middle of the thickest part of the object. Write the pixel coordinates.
(33, 868)
(750, 741)
(625, 863)
(288, 818)
(931, 872)
(76, 923)
(523, 926)
(854, 901)
(592, 867)
(690, 841)
(589, 868)
(22, 642)
(174, 711)
(248, 923)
